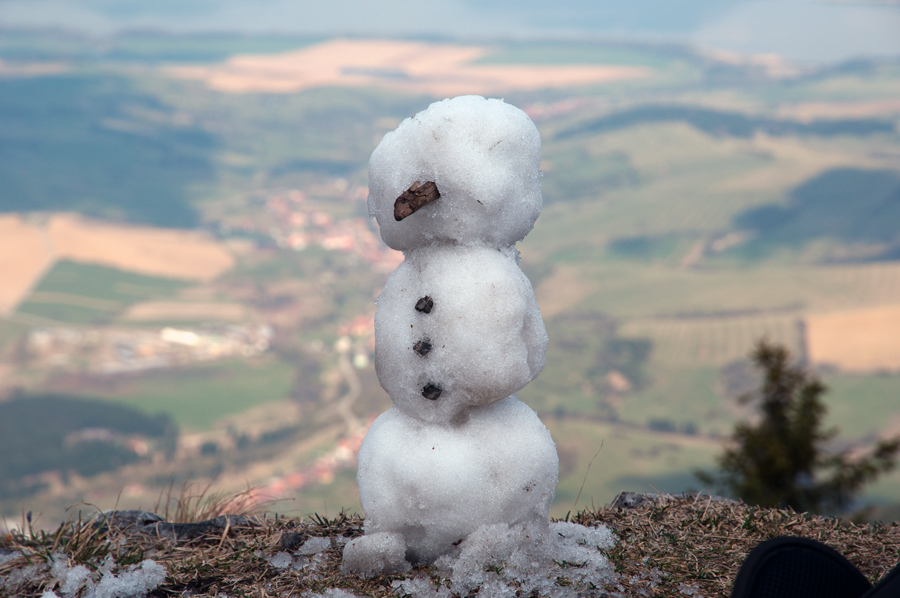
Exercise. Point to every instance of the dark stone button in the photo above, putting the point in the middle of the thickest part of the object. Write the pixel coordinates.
(425, 304)
(431, 392)
(422, 347)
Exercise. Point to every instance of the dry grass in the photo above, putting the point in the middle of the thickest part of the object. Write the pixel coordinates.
(701, 543)
(674, 544)
(197, 502)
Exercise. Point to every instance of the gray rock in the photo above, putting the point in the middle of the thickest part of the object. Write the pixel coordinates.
(153, 524)
(637, 500)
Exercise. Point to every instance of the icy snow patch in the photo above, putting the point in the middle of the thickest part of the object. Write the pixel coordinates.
(375, 554)
(331, 593)
(483, 155)
(282, 560)
(563, 560)
(308, 555)
(135, 582)
(314, 545)
(7, 556)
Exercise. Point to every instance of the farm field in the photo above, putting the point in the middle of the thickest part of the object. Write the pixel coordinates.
(692, 207)
(197, 397)
(76, 293)
(28, 248)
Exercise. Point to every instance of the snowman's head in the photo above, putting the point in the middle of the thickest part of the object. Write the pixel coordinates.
(484, 157)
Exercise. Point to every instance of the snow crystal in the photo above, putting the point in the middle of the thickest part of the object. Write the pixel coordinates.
(374, 554)
(314, 545)
(7, 556)
(331, 593)
(282, 560)
(138, 580)
(309, 556)
(484, 156)
(75, 580)
(436, 484)
(16, 576)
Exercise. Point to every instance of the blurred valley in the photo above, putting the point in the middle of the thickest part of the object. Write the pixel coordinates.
(188, 273)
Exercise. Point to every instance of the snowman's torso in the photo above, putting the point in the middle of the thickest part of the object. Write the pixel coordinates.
(461, 322)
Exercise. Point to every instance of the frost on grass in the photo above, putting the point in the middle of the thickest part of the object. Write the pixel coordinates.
(501, 561)
(134, 581)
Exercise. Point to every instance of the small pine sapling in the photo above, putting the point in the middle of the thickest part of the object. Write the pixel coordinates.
(781, 460)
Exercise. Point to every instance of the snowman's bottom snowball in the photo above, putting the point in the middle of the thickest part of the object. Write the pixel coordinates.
(500, 560)
(436, 484)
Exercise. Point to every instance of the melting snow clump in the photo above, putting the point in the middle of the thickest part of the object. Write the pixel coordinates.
(561, 560)
(309, 556)
(135, 581)
(331, 593)
(460, 472)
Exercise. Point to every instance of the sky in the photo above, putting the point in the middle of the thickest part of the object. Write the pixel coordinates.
(801, 31)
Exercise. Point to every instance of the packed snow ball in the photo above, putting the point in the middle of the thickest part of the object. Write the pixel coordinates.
(484, 333)
(433, 485)
(484, 156)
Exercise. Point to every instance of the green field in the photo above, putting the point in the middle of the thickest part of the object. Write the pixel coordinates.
(863, 405)
(626, 459)
(197, 396)
(76, 293)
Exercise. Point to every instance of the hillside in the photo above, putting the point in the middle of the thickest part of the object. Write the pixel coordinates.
(665, 546)
(691, 208)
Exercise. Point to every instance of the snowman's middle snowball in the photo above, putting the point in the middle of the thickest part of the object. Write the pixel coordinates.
(481, 338)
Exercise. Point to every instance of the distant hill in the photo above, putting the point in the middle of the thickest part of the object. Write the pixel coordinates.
(850, 205)
(94, 145)
(721, 123)
(48, 432)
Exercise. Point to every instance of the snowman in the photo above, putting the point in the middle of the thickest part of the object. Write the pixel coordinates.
(457, 332)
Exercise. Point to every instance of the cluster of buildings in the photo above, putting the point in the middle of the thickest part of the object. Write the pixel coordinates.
(322, 471)
(298, 226)
(119, 350)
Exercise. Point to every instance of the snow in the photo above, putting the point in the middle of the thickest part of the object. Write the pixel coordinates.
(498, 560)
(314, 545)
(440, 483)
(375, 554)
(309, 556)
(484, 156)
(485, 330)
(459, 471)
(331, 593)
(135, 581)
